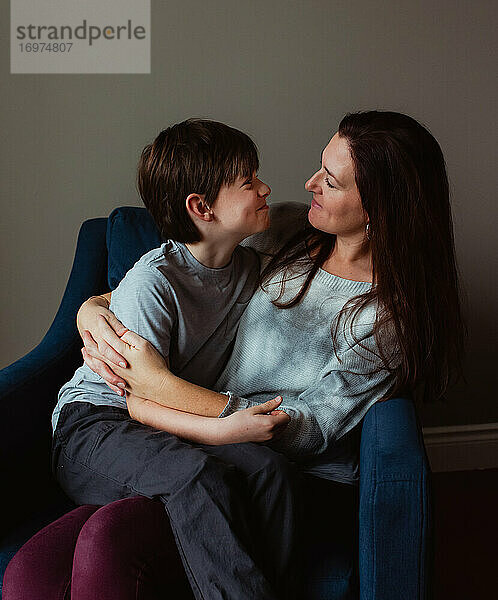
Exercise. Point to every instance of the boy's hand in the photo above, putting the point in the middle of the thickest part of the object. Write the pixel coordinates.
(255, 424)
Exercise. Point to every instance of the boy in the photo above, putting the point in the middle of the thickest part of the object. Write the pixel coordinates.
(198, 181)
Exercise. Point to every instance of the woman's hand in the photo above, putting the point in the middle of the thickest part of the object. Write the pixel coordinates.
(147, 370)
(255, 424)
(101, 333)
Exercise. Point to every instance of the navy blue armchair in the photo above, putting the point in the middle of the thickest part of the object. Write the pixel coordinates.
(386, 553)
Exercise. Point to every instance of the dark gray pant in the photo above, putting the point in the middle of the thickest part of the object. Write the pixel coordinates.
(234, 509)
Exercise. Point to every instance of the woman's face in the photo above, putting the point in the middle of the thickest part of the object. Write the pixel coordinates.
(336, 206)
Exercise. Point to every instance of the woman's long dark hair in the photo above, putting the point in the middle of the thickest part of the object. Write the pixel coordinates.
(401, 177)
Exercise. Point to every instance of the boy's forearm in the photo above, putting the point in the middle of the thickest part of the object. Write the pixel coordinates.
(204, 430)
(179, 394)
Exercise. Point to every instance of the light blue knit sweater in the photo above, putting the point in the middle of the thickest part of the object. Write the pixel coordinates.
(290, 352)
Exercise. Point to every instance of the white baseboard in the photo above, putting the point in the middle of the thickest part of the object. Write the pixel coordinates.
(462, 447)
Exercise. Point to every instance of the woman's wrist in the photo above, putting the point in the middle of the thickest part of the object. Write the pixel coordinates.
(168, 389)
(161, 382)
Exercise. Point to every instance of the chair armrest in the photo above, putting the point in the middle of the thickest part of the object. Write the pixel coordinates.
(85, 280)
(395, 516)
(29, 387)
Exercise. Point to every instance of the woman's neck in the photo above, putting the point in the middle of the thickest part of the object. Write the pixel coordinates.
(350, 261)
(352, 272)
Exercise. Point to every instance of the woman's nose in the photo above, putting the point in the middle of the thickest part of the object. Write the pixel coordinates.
(310, 185)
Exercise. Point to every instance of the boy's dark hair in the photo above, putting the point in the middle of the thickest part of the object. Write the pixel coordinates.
(195, 156)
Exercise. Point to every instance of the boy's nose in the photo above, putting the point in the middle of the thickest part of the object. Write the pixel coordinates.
(264, 190)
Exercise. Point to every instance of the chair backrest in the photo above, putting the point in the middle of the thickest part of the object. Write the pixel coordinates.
(131, 232)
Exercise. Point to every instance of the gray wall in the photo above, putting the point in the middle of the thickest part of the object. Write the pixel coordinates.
(285, 72)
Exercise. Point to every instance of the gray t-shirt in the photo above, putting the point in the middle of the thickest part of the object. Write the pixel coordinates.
(188, 311)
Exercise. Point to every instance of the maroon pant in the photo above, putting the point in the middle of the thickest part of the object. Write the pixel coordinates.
(126, 549)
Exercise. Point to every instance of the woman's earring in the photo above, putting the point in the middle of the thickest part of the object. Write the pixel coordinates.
(367, 231)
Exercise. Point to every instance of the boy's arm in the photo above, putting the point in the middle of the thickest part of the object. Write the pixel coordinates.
(262, 423)
(205, 430)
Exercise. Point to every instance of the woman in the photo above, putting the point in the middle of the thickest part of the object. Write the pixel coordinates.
(362, 306)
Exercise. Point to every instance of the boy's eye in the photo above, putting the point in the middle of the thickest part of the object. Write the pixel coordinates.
(248, 182)
(328, 183)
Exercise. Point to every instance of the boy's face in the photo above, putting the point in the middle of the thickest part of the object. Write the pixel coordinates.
(241, 208)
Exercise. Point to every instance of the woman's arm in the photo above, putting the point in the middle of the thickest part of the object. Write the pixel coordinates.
(110, 344)
(148, 378)
(319, 416)
(329, 409)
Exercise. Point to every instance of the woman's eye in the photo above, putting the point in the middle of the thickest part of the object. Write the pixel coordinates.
(329, 184)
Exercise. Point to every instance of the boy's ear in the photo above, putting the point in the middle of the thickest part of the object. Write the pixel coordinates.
(196, 207)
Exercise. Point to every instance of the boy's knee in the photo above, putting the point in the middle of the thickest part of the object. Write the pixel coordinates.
(213, 469)
(210, 474)
(274, 464)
